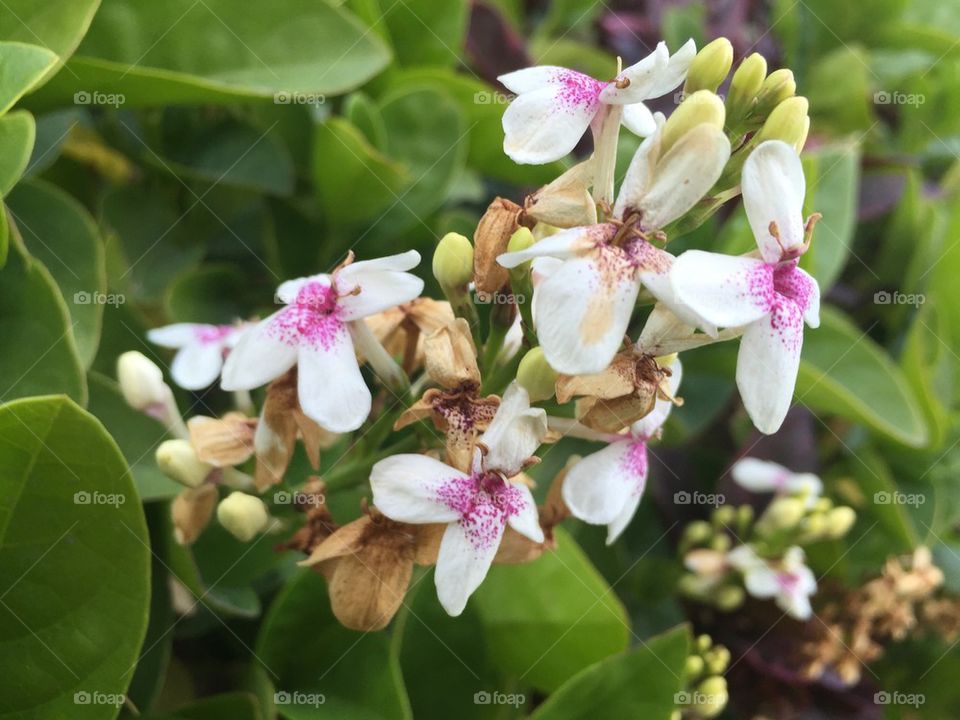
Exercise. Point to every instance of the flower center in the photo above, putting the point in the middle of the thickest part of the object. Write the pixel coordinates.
(312, 318)
(210, 334)
(484, 502)
(577, 91)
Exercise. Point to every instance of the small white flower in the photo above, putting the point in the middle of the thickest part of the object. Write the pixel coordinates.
(585, 297)
(200, 351)
(476, 507)
(790, 581)
(314, 332)
(555, 106)
(769, 298)
(762, 476)
(605, 488)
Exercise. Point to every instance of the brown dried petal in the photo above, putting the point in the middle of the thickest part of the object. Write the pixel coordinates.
(191, 511)
(617, 380)
(565, 202)
(614, 415)
(451, 356)
(490, 240)
(222, 442)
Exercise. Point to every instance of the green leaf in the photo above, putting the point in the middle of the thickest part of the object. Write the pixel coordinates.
(73, 545)
(57, 25)
(356, 674)
(839, 92)
(641, 683)
(235, 706)
(17, 133)
(40, 352)
(21, 67)
(930, 365)
(181, 51)
(209, 294)
(427, 32)
(844, 372)
(59, 232)
(548, 619)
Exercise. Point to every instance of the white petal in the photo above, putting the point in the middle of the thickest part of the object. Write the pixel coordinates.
(288, 290)
(767, 365)
(330, 387)
(515, 432)
(799, 285)
(407, 488)
(762, 581)
(676, 71)
(760, 475)
(543, 267)
(583, 311)
(564, 244)
(462, 564)
(721, 290)
(638, 119)
(544, 125)
(620, 522)
(526, 520)
(643, 77)
(796, 605)
(805, 484)
(532, 78)
(261, 354)
(197, 366)
(639, 172)
(646, 426)
(175, 336)
(379, 291)
(743, 557)
(598, 487)
(773, 191)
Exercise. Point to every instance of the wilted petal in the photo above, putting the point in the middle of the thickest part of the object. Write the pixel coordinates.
(408, 488)
(654, 420)
(598, 487)
(262, 353)
(773, 191)
(721, 290)
(330, 388)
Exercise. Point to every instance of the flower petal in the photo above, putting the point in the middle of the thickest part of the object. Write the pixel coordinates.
(526, 520)
(646, 426)
(261, 354)
(720, 290)
(531, 78)
(616, 527)
(638, 119)
(773, 191)
(175, 336)
(407, 488)
(331, 389)
(762, 581)
(463, 563)
(197, 366)
(546, 124)
(378, 285)
(676, 71)
(642, 78)
(598, 487)
(515, 432)
(562, 245)
(760, 475)
(639, 172)
(288, 290)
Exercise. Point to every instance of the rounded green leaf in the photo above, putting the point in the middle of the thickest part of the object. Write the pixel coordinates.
(57, 25)
(17, 133)
(21, 67)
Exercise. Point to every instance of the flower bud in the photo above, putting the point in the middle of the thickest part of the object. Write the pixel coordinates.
(711, 697)
(178, 461)
(823, 505)
(814, 527)
(746, 84)
(839, 521)
(536, 376)
(777, 87)
(782, 514)
(141, 381)
(242, 515)
(724, 515)
(710, 66)
(703, 643)
(521, 239)
(699, 532)
(720, 543)
(718, 657)
(453, 261)
(728, 598)
(788, 122)
(701, 107)
(744, 516)
(693, 666)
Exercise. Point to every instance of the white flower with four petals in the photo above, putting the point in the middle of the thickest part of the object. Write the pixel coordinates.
(789, 581)
(201, 349)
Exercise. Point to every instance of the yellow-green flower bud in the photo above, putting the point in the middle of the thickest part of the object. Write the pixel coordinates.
(777, 87)
(720, 543)
(788, 122)
(693, 667)
(178, 461)
(839, 521)
(823, 505)
(711, 697)
(745, 85)
(536, 376)
(710, 66)
(703, 643)
(141, 381)
(724, 515)
(242, 515)
(729, 597)
(814, 527)
(453, 261)
(717, 659)
(744, 515)
(782, 514)
(698, 532)
(701, 107)
(521, 239)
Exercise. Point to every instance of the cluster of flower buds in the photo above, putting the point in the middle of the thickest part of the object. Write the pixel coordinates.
(705, 690)
(735, 550)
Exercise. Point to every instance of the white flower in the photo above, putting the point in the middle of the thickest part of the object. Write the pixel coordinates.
(763, 476)
(555, 106)
(314, 333)
(201, 349)
(582, 305)
(769, 298)
(790, 581)
(605, 488)
(476, 507)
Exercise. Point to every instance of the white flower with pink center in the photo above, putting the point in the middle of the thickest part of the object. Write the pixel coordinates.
(605, 488)
(769, 297)
(555, 106)
(201, 349)
(315, 332)
(583, 304)
(788, 580)
(477, 506)
(763, 476)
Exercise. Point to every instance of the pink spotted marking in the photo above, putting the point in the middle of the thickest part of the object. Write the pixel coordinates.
(212, 334)
(312, 318)
(785, 293)
(788, 582)
(617, 264)
(485, 501)
(577, 91)
(635, 464)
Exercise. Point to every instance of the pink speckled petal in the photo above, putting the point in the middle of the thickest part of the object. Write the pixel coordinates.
(773, 191)
(546, 124)
(515, 432)
(721, 290)
(564, 244)
(526, 519)
(532, 78)
(288, 290)
(616, 527)
(260, 355)
(598, 487)
(638, 119)
(330, 388)
(810, 289)
(646, 426)
(175, 336)
(643, 77)
(197, 366)
(463, 563)
(407, 488)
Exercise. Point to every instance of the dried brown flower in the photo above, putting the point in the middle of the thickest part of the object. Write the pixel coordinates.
(402, 329)
(493, 232)
(191, 511)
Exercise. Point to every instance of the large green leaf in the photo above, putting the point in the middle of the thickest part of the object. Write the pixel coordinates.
(57, 25)
(235, 706)
(324, 670)
(73, 545)
(181, 51)
(21, 67)
(641, 683)
(17, 133)
(548, 619)
(426, 32)
(844, 372)
(59, 232)
(930, 366)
